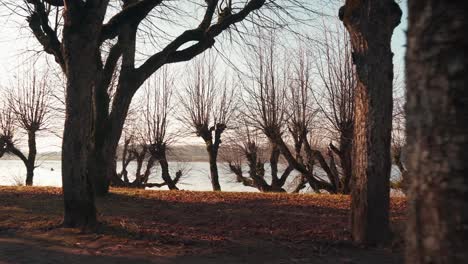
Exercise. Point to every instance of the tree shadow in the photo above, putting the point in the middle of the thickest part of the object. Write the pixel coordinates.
(14, 250)
(200, 224)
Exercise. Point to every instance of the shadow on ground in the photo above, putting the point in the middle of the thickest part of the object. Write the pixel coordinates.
(185, 227)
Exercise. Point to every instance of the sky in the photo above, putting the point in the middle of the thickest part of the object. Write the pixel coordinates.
(17, 47)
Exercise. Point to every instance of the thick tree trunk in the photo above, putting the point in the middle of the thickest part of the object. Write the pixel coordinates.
(103, 167)
(77, 185)
(98, 168)
(80, 45)
(370, 25)
(437, 132)
(109, 125)
(100, 164)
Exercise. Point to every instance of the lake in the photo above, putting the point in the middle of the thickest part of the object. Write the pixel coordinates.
(196, 177)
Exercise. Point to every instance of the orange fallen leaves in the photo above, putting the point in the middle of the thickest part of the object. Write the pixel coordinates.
(194, 217)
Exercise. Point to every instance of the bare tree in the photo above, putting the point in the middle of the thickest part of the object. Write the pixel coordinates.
(302, 119)
(336, 101)
(159, 108)
(7, 130)
(266, 109)
(76, 33)
(208, 104)
(399, 143)
(139, 151)
(29, 104)
(148, 136)
(247, 144)
(265, 105)
(437, 132)
(370, 25)
(127, 156)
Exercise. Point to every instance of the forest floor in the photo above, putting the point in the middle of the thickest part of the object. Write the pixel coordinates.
(138, 226)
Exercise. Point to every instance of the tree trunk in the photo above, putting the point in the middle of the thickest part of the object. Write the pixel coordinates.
(165, 173)
(29, 175)
(346, 153)
(149, 167)
(80, 46)
(109, 125)
(77, 185)
(213, 156)
(437, 132)
(31, 158)
(274, 158)
(98, 168)
(103, 167)
(370, 25)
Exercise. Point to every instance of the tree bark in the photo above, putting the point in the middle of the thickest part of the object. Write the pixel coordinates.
(437, 132)
(107, 136)
(80, 46)
(370, 25)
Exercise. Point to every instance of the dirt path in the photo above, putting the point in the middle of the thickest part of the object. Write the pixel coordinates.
(185, 227)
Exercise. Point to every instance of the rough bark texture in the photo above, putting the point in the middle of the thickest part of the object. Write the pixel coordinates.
(437, 132)
(80, 44)
(109, 125)
(86, 159)
(370, 25)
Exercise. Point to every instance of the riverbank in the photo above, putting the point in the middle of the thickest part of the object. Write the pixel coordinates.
(187, 227)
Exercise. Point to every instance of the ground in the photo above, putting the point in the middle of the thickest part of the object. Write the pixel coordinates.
(138, 226)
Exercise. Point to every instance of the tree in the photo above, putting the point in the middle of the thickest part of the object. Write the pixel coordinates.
(29, 106)
(370, 25)
(247, 145)
(7, 129)
(159, 108)
(265, 105)
(208, 104)
(127, 156)
(399, 143)
(270, 111)
(94, 121)
(437, 132)
(149, 136)
(336, 101)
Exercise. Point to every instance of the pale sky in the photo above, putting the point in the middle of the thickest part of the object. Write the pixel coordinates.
(16, 43)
